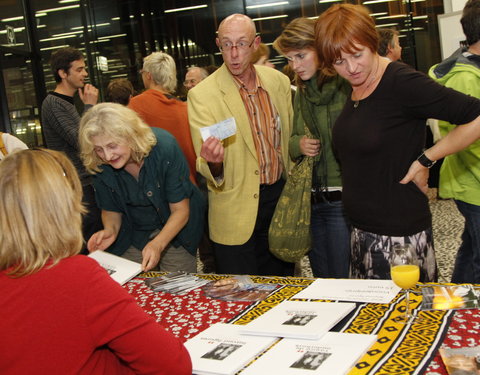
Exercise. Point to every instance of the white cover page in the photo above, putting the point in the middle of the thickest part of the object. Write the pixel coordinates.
(355, 290)
(298, 319)
(222, 350)
(334, 354)
(120, 269)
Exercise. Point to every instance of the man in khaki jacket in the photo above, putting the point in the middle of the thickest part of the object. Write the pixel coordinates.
(244, 172)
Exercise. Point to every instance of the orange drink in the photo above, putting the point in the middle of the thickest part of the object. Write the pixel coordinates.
(405, 276)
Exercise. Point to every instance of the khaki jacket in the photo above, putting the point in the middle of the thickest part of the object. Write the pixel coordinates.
(233, 201)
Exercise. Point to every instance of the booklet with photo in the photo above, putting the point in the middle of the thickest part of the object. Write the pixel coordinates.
(238, 288)
(178, 282)
(120, 269)
(448, 297)
(461, 361)
(222, 350)
(334, 354)
(297, 319)
(354, 290)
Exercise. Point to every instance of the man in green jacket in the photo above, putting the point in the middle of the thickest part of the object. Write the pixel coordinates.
(460, 172)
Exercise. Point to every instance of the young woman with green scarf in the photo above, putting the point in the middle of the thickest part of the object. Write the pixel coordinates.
(318, 102)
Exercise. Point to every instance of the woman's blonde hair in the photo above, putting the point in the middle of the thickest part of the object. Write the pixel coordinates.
(120, 123)
(339, 28)
(41, 205)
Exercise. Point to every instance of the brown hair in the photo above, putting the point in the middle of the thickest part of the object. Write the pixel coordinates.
(299, 34)
(339, 28)
(120, 90)
(41, 202)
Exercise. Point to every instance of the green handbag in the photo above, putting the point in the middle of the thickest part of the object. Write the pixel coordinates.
(289, 234)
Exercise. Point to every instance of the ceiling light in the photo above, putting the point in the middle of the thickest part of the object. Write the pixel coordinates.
(186, 8)
(58, 37)
(12, 19)
(270, 18)
(111, 36)
(394, 16)
(269, 5)
(377, 1)
(387, 25)
(54, 47)
(59, 9)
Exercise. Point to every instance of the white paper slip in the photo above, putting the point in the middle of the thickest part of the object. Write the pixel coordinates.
(222, 350)
(355, 290)
(120, 269)
(220, 130)
(334, 354)
(298, 319)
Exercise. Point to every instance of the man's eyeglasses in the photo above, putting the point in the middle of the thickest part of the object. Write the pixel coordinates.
(242, 45)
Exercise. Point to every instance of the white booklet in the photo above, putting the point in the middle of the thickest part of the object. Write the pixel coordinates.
(334, 354)
(298, 319)
(222, 350)
(120, 269)
(355, 290)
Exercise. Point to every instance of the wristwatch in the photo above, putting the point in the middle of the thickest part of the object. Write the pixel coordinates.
(426, 162)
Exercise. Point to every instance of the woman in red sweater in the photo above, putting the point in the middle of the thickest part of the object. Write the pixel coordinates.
(61, 313)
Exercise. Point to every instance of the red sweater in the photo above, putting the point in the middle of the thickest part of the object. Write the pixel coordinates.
(170, 114)
(74, 319)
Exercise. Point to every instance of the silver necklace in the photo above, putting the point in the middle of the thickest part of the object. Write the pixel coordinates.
(374, 78)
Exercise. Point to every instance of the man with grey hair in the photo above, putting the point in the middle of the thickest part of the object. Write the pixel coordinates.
(193, 77)
(389, 44)
(159, 108)
(245, 171)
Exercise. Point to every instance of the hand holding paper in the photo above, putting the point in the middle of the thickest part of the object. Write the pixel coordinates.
(220, 130)
(212, 150)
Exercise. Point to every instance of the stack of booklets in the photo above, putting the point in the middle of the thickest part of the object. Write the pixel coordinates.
(175, 283)
(334, 354)
(120, 269)
(224, 349)
(298, 319)
(364, 290)
(449, 297)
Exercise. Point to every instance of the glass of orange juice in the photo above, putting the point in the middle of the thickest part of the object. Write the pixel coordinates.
(405, 273)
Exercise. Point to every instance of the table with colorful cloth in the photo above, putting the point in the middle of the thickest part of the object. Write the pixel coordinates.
(400, 349)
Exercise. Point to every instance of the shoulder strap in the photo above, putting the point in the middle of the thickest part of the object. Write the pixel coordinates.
(3, 149)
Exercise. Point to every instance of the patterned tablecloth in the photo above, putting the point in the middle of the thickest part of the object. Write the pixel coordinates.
(400, 349)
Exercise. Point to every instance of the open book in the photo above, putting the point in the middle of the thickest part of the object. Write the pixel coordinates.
(121, 270)
(222, 350)
(298, 319)
(334, 354)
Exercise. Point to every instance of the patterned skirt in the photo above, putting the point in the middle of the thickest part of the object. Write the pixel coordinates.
(370, 254)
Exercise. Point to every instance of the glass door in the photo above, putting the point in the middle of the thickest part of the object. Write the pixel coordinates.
(23, 115)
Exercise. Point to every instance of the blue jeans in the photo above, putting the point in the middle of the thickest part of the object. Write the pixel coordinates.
(467, 263)
(330, 253)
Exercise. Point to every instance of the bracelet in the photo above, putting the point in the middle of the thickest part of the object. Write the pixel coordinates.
(425, 161)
